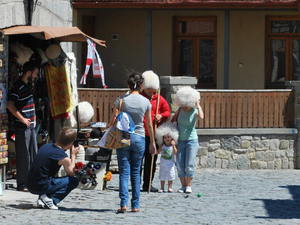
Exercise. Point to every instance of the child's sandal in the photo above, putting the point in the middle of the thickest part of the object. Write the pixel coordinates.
(170, 190)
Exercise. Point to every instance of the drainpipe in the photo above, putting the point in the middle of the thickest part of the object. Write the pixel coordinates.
(149, 39)
(226, 48)
(30, 4)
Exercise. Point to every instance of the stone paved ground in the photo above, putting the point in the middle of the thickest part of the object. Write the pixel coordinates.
(229, 197)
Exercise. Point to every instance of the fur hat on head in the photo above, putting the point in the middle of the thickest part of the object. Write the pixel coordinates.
(167, 128)
(187, 96)
(86, 112)
(151, 80)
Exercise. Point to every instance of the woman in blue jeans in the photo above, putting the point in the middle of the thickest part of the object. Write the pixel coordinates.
(130, 158)
(188, 100)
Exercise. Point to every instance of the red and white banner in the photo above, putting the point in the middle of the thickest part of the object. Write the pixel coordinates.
(93, 58)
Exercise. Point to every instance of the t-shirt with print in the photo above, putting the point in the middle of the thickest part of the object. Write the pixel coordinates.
(167, 152)
(45, 166)
(136, 106)
(21, 95)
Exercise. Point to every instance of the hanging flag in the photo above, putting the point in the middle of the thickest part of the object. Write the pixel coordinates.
(93, 58)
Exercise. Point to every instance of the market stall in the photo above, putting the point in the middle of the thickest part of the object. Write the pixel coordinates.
(55, 91)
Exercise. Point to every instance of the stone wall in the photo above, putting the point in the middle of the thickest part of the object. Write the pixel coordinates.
(247, 152)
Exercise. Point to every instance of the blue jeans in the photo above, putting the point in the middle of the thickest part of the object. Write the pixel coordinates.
(129, 163)
(186, 156)
(60, 187)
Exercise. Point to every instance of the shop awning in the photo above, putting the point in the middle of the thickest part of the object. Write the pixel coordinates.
(185, 4)
(63, 34)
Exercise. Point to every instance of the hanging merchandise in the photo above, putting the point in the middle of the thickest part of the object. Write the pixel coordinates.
(3, 97)
(72, 72)
(59, 90)
(93, 58)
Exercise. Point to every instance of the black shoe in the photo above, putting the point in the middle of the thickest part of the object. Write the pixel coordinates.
(152, 189)
(22, 188)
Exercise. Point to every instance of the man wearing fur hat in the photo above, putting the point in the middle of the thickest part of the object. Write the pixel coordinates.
(160, 112)
(21, 106)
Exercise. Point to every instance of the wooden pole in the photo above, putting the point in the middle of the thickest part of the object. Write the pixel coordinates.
(154, 129)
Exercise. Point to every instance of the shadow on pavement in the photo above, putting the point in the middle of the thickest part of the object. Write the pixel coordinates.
(32, 206)
(83, 209)
(23, 206)
(283, 208)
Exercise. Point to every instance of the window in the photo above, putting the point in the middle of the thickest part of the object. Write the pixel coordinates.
(282, 50)
(195, 49)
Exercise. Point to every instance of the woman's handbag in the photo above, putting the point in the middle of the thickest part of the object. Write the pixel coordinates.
(114, 137)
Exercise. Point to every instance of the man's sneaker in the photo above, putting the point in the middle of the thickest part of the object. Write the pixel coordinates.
(188, 189)
(181, 190)
(40, 203)
(48, 202)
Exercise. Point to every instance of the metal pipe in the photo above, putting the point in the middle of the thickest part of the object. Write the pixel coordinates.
(149, 39)
(226, 48)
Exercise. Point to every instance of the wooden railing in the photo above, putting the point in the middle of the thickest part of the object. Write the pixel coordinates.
(222, 108)
(247, 108)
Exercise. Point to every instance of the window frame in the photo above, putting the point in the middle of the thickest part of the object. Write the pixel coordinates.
(196, 38)
(288, 38)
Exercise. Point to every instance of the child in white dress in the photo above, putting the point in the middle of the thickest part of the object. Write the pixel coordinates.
(166, 136)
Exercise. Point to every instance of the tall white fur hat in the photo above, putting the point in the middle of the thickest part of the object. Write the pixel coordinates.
(86, 112)
(186, 96)
(167, 128)
(151, 80)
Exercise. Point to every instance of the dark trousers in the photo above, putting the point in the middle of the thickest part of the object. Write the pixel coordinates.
(26, 149)
(58, 188)
(147, 165)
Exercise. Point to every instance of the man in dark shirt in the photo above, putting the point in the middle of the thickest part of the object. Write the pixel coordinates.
(21, 105)
(49, 159)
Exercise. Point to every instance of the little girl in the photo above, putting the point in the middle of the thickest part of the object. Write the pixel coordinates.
(166, 136)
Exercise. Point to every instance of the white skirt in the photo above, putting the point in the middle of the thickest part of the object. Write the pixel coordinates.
(166, 169)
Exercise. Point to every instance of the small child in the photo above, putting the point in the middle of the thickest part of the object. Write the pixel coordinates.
(166, 136)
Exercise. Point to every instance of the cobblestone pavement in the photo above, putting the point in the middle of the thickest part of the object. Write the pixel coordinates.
(229, 197)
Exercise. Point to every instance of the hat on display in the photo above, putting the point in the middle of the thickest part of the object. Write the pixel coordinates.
(42, 55)
(86, 112)
(53, 51)
(167, 128)
(151, 80)
(187, 96)
(22, 52)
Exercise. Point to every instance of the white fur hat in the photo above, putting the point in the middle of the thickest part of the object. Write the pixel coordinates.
(53, 51)
(151, 80)
(23, 53)
(167, 128)
(186, 96)
(86, 112)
